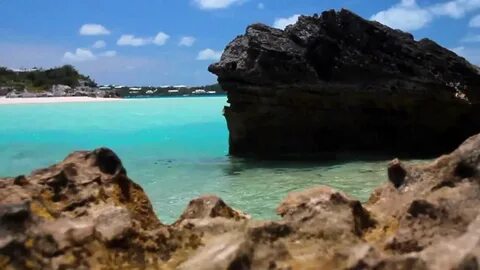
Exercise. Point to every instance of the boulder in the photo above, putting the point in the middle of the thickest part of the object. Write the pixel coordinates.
(4, 90)
(338, 82)
(85, 213)
(60, 90)
(210, 206)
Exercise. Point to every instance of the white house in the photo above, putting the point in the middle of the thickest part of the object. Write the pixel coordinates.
(199, 91)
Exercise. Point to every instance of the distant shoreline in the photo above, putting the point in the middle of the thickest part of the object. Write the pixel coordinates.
(50, 100)
(175, 96)
(53, 100)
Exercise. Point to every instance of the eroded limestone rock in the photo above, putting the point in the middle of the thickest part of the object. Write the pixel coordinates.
(85, 213)
(339, 82)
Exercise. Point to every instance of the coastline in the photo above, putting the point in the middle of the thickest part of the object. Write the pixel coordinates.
(49, 100)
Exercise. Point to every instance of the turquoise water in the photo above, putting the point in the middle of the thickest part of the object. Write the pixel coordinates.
(176, 148)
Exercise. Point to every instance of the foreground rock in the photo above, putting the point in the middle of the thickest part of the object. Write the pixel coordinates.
(339, 82)
(85, 213)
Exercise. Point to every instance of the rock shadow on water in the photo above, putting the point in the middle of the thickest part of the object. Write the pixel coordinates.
(237, 165)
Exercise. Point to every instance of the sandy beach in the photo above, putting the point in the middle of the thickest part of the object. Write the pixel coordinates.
(7, 101)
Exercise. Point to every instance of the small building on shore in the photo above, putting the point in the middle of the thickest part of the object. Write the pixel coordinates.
(199, 91)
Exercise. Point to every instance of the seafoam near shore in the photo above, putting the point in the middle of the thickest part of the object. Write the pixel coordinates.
(7, 101)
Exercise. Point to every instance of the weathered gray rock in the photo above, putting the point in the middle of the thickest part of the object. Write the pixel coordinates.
(60, 90)
(5, 90)
(339, 82)
(210, 207)
(85, 213)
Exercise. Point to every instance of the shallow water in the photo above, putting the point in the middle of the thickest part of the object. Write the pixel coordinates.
(176, 148)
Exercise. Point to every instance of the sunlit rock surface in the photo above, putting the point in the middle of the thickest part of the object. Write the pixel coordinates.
(85, 213)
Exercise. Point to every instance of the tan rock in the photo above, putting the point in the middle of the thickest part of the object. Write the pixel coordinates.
(85, 213)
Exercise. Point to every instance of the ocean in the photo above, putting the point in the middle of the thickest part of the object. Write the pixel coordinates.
(175, 148)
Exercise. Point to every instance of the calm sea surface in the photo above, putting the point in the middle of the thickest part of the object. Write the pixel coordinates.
(176, 148)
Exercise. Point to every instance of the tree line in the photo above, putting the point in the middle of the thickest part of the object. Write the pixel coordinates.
(43, 79)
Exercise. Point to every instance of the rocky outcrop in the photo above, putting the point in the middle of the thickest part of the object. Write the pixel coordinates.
(339, 82)
(5, 90)
(85, 213)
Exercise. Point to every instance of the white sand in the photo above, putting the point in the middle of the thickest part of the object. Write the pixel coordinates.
(6, 101)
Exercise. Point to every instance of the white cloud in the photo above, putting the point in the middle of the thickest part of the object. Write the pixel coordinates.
(406, 15)
(187, 41)
(108, 54)
(475, 21)
(409, 16)
(215, 4)
(455, 8)
(261, 6)
(131, 40)
(99, 44)
(83, 55)
(161, 38)
(282, 23)
(93, 30)
(80, 55)
(209, 54)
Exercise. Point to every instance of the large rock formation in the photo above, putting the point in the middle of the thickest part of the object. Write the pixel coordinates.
(339, 82)
(85, 213)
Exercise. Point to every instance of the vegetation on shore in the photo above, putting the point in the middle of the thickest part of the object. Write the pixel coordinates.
(43, 79)
(38, 81)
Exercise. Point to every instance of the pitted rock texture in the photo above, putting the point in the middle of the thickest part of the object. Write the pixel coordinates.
(85, 213)
(339, 82)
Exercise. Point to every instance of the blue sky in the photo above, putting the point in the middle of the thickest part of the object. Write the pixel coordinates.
(161, 42)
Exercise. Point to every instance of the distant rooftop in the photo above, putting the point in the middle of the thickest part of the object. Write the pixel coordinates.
(23, 69)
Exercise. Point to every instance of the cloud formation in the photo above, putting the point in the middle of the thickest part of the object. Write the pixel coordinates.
(456, 8)
(99, 44)
(282, 23)
(215, 4)
(409, 16)
(160, 39)
(209, 54)
(93, 30)
(131, 40)
(406, 15)
(84, 55)
(187, 41)
(79, 55)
